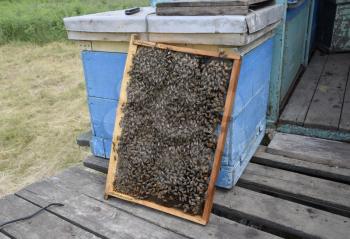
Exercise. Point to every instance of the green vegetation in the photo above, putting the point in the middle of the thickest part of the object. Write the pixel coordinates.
(42, 110)
(40, 21)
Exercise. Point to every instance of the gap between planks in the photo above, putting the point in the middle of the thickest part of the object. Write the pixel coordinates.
(324, 171)
(89, 185)
(326, 105)
(310, 149)
(300, 100)
(328, 195)
(43, 224)
(282, 217)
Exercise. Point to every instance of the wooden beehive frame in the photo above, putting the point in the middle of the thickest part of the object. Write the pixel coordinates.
(112, 168)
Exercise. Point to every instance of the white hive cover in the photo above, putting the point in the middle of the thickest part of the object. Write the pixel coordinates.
(118, 22)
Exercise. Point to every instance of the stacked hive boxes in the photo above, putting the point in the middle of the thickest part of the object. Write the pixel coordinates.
(105, 35)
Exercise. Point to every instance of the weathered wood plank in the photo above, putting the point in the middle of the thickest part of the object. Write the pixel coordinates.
(312, 169)
(190, 3)
(288, 218)
(200, 3)
(92, 183)
(3, 236)
(326, 105)
(43, 225)
(96, 163)
(322, 151)
(345, 115)
(332, 196)
(298, 105)
(202, 11)
(93, 215)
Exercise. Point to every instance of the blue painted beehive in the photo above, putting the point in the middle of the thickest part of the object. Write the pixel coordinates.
(103, 75)
(104, 67)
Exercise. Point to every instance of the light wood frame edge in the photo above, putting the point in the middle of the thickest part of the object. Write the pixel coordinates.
(109, 191)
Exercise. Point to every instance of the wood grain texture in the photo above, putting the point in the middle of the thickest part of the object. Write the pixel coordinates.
(194, 51)
(289, 218)
(303, 167)
(326, 106)
(202, 11)
(203, 3)
(226, 39)
(3, 236)
(332, 196)
(298, 105)
(231, 91)
(345, 114)
(96, 163)
(91, 184)
(95, 216)
(230, 99)
(315, 150)
(41, 226)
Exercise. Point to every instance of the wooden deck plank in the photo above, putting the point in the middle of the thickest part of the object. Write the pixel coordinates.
(3, 236)
(43, 225)
(322, 151)
(345, 115)
(93, 215)
(298, 105)
(326, 105)
(289, 218)
(296, 165)
(96, 163)
(92, 183)
(202, 11)
(332, 196)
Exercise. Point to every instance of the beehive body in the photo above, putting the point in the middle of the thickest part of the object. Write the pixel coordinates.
(103, 74)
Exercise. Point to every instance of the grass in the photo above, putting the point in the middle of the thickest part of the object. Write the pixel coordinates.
(40, 21)
(42, 110)
(42, 95)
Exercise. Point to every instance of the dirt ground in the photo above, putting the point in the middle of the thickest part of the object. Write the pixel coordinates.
(42, 110)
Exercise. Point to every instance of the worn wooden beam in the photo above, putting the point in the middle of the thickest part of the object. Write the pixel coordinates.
(3, 236)
(344, 123)
(298, 105)
(322, 151)
(304, 167)
(94, 216)
(43, 225)
(202, 11)
(326, 105)
(283, 217)
(91, 184)
(329, 195)
(96, 163)
(314, 132)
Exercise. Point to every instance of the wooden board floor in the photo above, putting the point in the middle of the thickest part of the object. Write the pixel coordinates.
(321, 99)
(280, 195)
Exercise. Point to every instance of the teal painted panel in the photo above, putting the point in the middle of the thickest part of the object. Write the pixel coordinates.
(294, 43)
(313, 132)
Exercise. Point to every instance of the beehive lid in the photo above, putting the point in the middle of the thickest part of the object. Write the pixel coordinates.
(146, 21)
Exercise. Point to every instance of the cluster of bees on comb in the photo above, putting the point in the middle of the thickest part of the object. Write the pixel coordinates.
(170, 125)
